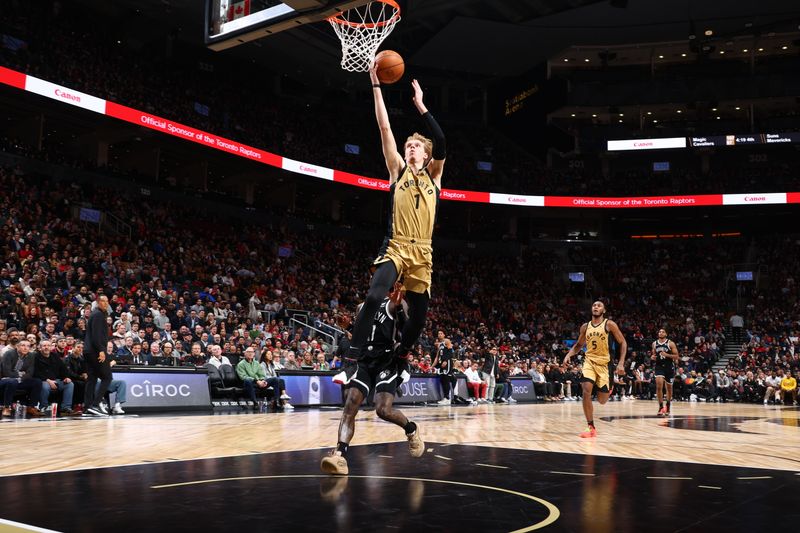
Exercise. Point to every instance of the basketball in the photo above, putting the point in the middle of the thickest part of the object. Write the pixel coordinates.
(390, 66)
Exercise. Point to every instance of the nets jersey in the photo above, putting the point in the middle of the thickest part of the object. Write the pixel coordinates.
(597, 343)
(446, 356)
(661, 351)
(385, 329)
(414, 202)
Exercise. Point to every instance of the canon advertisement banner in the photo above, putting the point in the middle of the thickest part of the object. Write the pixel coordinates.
(421, 389)
(647, 144)
(76, 98)
(166, 390)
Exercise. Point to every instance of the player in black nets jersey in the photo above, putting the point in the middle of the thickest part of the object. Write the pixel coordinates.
(664, 354)
(444, 362)
(378, 370)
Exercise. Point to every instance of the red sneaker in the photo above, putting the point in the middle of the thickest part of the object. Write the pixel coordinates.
(589, 433)
(662, 411)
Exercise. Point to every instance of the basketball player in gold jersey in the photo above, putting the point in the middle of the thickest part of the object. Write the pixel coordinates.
(595, 336)
(415, 179)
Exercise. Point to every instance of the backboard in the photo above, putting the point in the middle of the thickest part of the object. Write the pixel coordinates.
(229, 23)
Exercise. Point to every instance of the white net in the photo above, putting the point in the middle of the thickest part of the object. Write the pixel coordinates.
(362, 30)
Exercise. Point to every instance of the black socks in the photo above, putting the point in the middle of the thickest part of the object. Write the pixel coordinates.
(342, 447)
(410, 428)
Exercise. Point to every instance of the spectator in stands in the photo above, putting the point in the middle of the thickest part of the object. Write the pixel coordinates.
(76, 369)
(217, 359)
(18, 363)
(51, 370)
(281, 399)
(556, 379)
(475, 384)
(252, 375)
(737, 325)
(503, 388)
(157, 357)
(8, 386)
(641, 382)
(119, 337)
(425, 365)
(709, 387)
(196, 356)
(540, 385)
(291, 361)
(169, 355)
(124, 352)
(138, 357)
(751, 388)
(789, 388)
(308, 362)
(321, 363)
(724, 386)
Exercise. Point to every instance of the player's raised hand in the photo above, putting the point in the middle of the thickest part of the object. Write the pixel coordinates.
(418, 96)
(373, 73)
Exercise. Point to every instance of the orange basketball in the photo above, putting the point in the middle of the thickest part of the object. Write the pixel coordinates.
(390, 66)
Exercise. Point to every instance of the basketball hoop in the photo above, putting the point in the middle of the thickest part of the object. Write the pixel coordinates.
(362, 30)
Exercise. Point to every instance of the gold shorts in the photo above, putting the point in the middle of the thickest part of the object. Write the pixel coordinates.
(597, 373)
(413, 259)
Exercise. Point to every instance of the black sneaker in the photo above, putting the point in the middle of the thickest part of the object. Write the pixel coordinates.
(349, 370)
(93, 411)
(403, 354)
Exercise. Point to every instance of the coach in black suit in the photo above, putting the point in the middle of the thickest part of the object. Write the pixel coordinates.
(98, 363)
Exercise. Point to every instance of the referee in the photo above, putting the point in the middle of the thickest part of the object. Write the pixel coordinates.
(98, 365)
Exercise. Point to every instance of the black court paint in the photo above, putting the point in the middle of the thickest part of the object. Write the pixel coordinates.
(611, 495)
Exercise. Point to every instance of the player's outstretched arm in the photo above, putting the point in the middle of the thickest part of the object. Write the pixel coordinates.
(394, 161)
(673, 351)
(623, 344)
(436, 166)
(577, 346)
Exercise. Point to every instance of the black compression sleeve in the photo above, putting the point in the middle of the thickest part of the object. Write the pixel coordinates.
(435, 131)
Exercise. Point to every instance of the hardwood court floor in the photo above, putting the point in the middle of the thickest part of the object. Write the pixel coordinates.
(740, 435)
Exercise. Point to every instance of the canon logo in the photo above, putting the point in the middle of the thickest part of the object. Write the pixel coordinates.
(642, 145)
(755, 199)
(153, 390)
(304, 168)
(517, 200)
(67, 96)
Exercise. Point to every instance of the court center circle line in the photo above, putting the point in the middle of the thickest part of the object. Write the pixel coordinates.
(553, 511)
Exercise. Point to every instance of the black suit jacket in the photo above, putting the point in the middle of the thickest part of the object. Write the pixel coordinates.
(96, 334)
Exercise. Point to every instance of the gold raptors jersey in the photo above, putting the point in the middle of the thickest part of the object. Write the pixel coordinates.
(414, 200)
(597, 343)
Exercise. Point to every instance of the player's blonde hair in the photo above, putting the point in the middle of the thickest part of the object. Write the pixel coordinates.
(426, 143)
